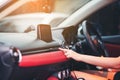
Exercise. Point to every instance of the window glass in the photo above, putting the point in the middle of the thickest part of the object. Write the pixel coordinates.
(19, 15)
(107, 20)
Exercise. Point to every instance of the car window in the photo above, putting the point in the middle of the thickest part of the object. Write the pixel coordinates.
(107, 20)
(4, 2)
(34, 12)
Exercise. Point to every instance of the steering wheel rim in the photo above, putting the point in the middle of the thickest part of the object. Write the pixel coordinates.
(97, 45)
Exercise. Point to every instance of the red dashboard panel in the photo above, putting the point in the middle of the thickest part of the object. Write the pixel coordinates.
(42, 59)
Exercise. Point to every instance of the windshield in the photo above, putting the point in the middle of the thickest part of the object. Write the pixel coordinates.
(4, 2)
(21, 15)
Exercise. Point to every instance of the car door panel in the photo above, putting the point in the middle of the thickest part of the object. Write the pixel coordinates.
(112, 44)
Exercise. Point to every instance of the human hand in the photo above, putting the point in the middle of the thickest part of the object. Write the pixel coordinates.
(70, 53)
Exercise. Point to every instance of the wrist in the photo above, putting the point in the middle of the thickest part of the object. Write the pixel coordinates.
(78, 57)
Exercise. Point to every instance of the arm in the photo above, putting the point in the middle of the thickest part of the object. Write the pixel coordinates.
(106, 62)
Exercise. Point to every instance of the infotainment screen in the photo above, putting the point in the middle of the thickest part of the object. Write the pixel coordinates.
(44, 32)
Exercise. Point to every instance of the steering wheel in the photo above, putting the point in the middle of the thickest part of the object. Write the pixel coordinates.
(94, 41)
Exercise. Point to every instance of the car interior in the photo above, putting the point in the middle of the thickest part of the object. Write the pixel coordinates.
(95, 35)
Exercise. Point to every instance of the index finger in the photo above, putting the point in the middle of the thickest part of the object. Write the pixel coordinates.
(62, 49)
